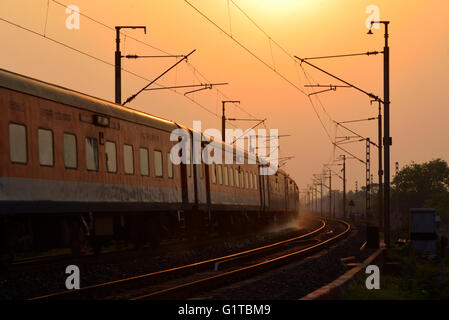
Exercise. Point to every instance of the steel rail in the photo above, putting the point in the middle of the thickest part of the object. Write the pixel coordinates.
(189, 289)
(105, 289)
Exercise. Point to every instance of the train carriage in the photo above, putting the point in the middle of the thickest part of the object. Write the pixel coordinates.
(73, 164)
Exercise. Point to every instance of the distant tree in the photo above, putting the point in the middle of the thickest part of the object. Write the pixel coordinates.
(440, 202)
(424, 185)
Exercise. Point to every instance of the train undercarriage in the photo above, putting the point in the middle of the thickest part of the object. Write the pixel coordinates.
(30, 235)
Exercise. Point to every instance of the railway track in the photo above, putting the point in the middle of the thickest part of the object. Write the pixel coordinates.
(182, 282)
(21, 266)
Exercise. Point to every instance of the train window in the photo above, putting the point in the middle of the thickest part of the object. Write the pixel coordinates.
(45, 141)
(91, 153)
(158, 168)
(250, 178)
(188, 170)
(144, 166)
(220, 174)
(191, 163)
(18, 143)
(231, 176)
(201, 168)
(246, 180)
(241, 180)
(255, 181)
(225, 175)
(236, 177)
(214, 173)
(70, 155)
(169, 166)
(111, 156)
(128, 158)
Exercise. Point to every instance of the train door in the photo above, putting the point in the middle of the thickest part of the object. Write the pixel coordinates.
(261, 190)
(207, 180)
(201, 182)
(266, 187)
(184, 188)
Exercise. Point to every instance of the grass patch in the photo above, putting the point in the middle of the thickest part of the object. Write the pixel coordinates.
(417, 279)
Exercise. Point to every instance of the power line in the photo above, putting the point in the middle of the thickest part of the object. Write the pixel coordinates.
(194, 69)
(322, 107)
(57, 42)
(308, 77)
(153, 81)
(345, 55)
(46, 17)
(290, 56)
(270, 39)
(258, 27)
(261, 60)
(113, 29)
(218, 90)
(101, 60)
(245, 48)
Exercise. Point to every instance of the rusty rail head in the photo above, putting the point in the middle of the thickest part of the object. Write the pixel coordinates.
(105, 289)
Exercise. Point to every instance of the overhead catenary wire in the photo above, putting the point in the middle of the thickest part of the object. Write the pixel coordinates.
(293, 57)
(112, 28)
(359, 120)
(46, 17)
(260, 59)
(189, 64)
(352, 131)
(244, 47)
(100, 60)
(346, 55)
(153, 81)
(271, 40)
(346, 151)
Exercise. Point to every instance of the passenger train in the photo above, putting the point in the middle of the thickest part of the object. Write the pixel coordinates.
(76, 167)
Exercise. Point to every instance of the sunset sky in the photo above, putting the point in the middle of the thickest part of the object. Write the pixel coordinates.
(419, 35)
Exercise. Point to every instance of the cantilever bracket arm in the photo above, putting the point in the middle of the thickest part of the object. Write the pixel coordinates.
(371, 95)
(321, 91)
(368, 53)
(331, 87)
(347, 152)
(131, 98)
(362, 138)
(135, 56)
(204, 85)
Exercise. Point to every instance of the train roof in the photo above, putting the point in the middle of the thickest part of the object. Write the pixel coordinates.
(45, 90)
(52, 92)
